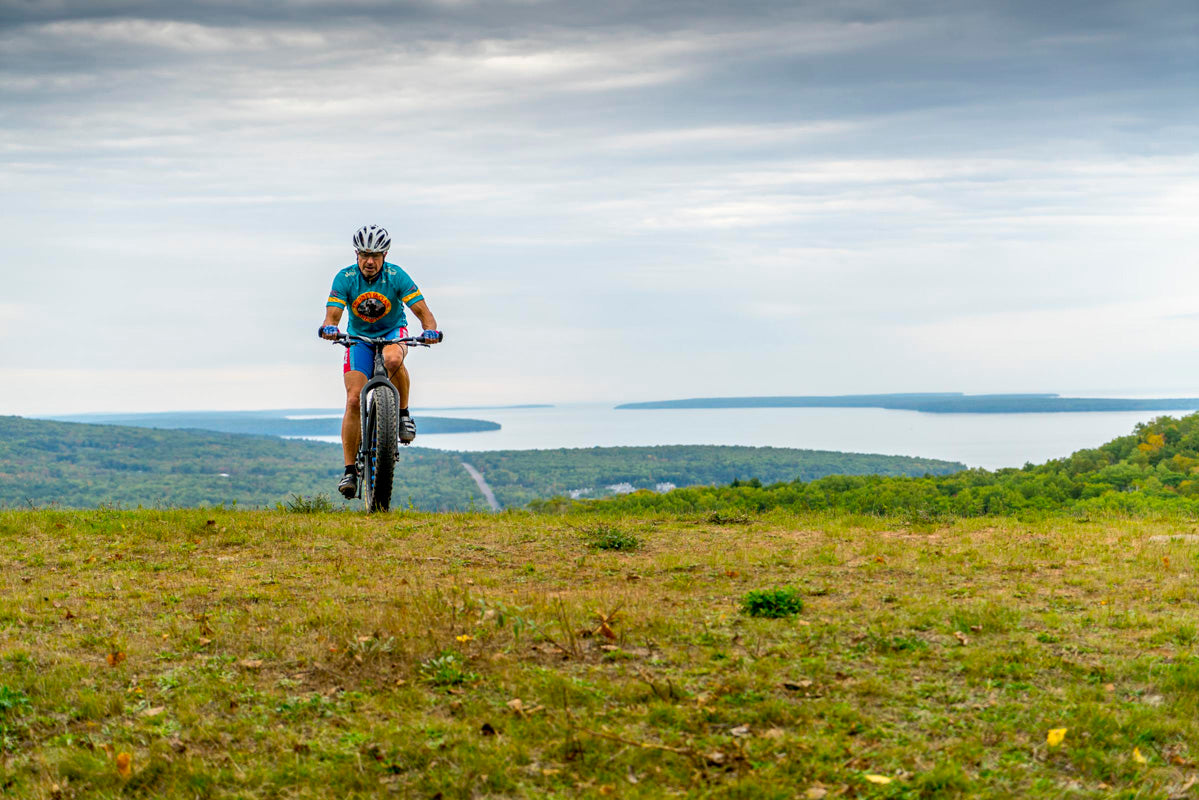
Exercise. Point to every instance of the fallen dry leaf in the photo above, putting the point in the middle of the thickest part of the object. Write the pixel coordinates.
(250, 663)
(124, 765)
(816, 793)
(1055, 736)
(1137, 757)
(881, 780)
(1181, 791)
(962, 638)
(152, 712)
(115, 657)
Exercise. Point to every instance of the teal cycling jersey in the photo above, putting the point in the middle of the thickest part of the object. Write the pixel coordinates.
(376, 306)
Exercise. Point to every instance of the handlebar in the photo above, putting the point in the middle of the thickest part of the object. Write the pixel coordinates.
(347, 339)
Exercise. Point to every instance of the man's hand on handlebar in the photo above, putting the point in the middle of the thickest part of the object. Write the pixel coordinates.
(431, 337)
(327, 332)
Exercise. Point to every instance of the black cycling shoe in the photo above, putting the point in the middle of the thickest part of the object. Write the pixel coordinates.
(407, 430)
(348, 486)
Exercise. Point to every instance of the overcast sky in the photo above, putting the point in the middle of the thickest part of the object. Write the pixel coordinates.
(601, 201)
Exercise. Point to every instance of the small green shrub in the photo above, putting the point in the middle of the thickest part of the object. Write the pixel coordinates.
(606, 537)
(13, 702)
(446, 669)
(298, 504)
(773, 603)
(729, 518)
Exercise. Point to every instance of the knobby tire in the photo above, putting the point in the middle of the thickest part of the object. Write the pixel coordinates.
(383, 421)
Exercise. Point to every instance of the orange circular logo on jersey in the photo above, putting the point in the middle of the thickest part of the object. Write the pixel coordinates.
(371, 306)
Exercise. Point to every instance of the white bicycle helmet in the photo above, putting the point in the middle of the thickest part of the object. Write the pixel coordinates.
(372, 239)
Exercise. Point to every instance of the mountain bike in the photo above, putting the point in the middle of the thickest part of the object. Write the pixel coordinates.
(378, 447)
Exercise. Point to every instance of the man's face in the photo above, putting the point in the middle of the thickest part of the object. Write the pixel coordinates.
(370, 263)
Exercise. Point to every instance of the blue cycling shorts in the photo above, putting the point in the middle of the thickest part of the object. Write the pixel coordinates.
(360, 357)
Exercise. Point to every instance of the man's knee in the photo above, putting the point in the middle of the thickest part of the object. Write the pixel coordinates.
(393, 360)
(354, 399)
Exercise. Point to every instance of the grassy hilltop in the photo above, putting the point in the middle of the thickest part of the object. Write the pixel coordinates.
(222, 654)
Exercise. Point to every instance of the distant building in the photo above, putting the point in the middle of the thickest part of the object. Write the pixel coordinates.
(664, 486)
(622, 488)
(575, 494)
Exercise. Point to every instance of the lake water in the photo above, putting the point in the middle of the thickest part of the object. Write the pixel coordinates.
(978, 440)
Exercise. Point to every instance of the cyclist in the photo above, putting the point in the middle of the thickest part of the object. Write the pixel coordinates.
(375, 292)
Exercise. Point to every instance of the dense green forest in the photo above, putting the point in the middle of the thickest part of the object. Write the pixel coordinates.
(76, 465)
(80, 465)
(1155, 469)
(521, 476)
(937, 403)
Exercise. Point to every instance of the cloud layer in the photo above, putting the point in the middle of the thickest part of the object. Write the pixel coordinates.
(601, 201)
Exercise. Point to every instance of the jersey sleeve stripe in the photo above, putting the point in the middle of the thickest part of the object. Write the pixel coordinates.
(411, 296)
(335, 301)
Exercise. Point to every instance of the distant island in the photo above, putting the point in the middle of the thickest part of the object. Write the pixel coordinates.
(937, 403)
(299, 422)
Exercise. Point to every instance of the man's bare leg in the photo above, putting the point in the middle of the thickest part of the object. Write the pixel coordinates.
(351, 423)
(402, 383)
(397, 373)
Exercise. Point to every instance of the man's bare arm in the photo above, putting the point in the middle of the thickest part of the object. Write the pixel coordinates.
(332, 317)
(422, 312)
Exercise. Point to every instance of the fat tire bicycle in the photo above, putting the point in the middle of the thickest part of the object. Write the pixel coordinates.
(378, 446)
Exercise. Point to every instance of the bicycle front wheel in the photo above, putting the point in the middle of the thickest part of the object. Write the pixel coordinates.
(382, 421)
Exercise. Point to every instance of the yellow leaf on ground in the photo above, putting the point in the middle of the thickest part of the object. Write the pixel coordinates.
(1137, 757)
(879, 779)
(464, 638)
(114, 658)
(1055, 736)
(124, 765)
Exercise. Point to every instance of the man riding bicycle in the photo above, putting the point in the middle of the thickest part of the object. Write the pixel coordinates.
(376, 292)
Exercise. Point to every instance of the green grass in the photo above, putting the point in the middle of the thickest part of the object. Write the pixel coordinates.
(773, 603)
(271, 654)
(611, 537)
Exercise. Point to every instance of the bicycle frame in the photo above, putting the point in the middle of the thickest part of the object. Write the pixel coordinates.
(378, 380)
